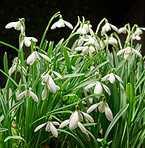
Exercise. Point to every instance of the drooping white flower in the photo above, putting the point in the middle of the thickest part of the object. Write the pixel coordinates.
(17, 66)
(122, 30)
(98, 88)
(110, 40)
(61, 23)
(86, 49)
(103, 107)
(49, 127)
(111, 77)
(27, 42)
(137, 33)
(107, 27)
(75, 119)
(36, 55)
(28, 93)
(17, 25)
(48, 81)
(85, 29)
(128, 52)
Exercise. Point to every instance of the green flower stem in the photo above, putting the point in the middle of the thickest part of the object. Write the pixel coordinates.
(45, 32)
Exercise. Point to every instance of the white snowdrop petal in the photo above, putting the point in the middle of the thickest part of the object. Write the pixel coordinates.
(53, 130)
(122, 30)
(57, 74)
(60, 23)
(10, 25)
(52, 85)
(114, 28)
(31, 58)
(105, 77)
(68, 24)
(108, 113)
(107, 89)
(55, 123)
(54, 26)
(79, 48)
(21, 95)
(87, 116)
(137, 52)
(82, 128)
(89, 86)
(64, 123)
(27, 41)
(126, 56)
(74, 121)
(39, 127)
(45, 57)
(33, 39)
(34, 96)
(44, 93)
(12, 69)
(91, 108)
(119, 79)
(112, 78)
(121, 51)
(98, 88)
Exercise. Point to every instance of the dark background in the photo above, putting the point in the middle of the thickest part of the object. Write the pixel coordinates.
(37, 14)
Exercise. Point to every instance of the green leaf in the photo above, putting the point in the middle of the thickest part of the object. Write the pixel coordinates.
(116, 118)
(16, 106)
(76, 137)
(5, 60)
(3, 130)
(67, 59)
(50, 48)
(16, 137)
(6, 44)
(73, 75)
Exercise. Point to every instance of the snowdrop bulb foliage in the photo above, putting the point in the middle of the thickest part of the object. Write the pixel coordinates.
(61, 23)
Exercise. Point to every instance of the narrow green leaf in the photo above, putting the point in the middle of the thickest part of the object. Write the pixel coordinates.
(3, 130)
(50, 48)
(15, 106)
(67, 59)
(16, 137)
(116, 118)
(5, 60)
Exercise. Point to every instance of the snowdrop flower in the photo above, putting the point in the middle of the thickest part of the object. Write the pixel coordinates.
(103, 107)
(111, 40)
(107, 27)
(27, 42)
(28, 93)
(85, 29)
(48, 81)
(128, 52)
(17, 25)
(122, 30)
(111, 77)
(61, 23)
(86, 49)
(36, 55)
(17, 66)
(49, 127)
(98, 88)
(137, 33)
(75, 119)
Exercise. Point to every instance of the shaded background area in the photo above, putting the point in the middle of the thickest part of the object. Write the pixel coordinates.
(37, 14)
